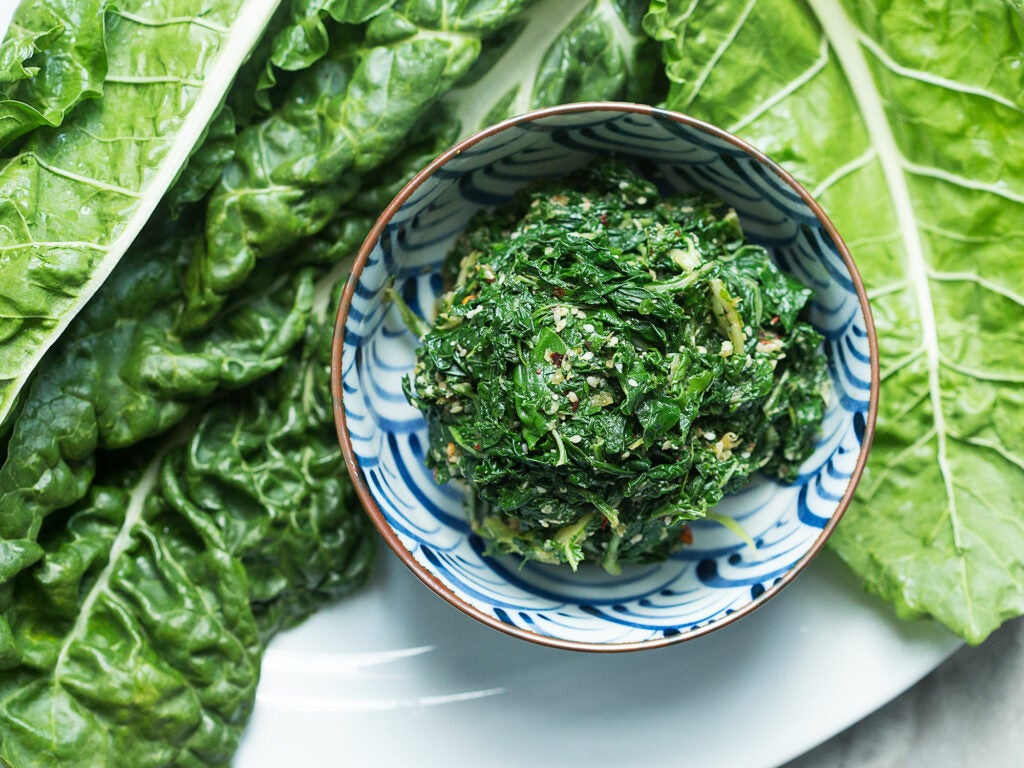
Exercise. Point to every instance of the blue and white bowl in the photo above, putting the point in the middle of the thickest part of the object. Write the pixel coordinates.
(717, 578)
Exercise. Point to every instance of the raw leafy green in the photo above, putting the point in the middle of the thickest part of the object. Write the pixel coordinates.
(122, 375)
(138, 639)
(608, 364)
(904, 119)
(76, 195)
(266, 466)
(901, 116)
(306, 39)
(569, 51)
(53, 57)
(294, 170)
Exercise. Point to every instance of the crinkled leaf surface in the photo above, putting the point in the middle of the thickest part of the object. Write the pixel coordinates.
(133, 646)
(904, 119)
(294, 170)
(52, 57)
(121, 374)
(306, 39)
(73, 197)
(137, 642)
(543, 64)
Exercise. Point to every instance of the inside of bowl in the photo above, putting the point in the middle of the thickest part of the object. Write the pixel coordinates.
(718, 574)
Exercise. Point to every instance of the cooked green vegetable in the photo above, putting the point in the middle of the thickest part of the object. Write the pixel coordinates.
(608, 364)
(903, 119)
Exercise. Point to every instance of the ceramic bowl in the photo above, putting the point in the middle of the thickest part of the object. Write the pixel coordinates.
(713, 581)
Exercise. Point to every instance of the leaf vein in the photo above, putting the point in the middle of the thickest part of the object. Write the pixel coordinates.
(981, 375)
(148, 21)
(931, 79)
(983, 282)
(843, 171)
(846, 39)
(902, 363)
(87, 180)
(894, 462)
(153, 80)
(790, 88)
(713, 60)
(962, 181)
(991, 445)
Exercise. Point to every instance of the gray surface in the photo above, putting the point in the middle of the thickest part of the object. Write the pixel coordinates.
(968, 712)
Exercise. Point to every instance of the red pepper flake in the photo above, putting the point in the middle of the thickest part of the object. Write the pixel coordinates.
(686, 535)
(477, 446)
(556, 359)
(604, 219)
(558, 291)
(775, 319)
(574, 404)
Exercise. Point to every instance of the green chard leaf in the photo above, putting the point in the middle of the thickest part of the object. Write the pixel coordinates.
(75, 196)
(133, 645)
(903, 120)
(343, 116)
(351, 110)
(138, 640)
(267, 469)
(306, 39)
(567, 51)
(206, 164)
(121, 375)
(52, 58)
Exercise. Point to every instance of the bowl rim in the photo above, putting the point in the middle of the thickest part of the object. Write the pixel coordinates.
(337, 392)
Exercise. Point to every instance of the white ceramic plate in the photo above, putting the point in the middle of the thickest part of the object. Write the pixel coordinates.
(394, 676)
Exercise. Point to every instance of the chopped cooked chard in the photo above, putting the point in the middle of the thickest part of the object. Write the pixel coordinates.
(628, 369)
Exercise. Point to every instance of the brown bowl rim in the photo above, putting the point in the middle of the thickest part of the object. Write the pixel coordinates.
(363, 490)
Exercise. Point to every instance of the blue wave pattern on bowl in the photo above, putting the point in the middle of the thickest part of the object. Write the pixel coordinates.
(717, 574)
